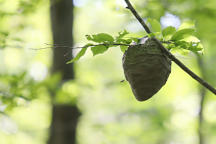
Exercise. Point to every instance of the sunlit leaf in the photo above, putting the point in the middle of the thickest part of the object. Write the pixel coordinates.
(191, 46)
(168, 31)
(121, 35)
(183, 33)
(80, 54)
(125, 37)
(151, 35)
(128, 38)
(155, 25)
(123, 48)
(101, 37)
(99, 49)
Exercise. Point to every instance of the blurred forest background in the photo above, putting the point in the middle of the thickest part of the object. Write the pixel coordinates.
(38, 105)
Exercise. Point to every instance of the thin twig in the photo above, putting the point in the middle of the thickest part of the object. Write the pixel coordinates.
(170, 55)
(57, 46)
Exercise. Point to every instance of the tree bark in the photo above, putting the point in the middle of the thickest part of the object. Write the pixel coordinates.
(64, 116)
(64, 123)
(62, 24)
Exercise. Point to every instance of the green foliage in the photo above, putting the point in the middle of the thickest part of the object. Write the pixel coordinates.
(183, 33)
(99, 49)
(101, 37)
(123, 48)
(102, 42)
(120, 36)
(172, 39)
(179, 39)
(176, 39)
(168, 31)
(154, 25)
(28, 6)
(80, 54)
(120, 39)
(16, 89)
(3, 37)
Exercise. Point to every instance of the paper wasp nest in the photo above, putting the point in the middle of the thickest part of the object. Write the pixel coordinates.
(146, 68)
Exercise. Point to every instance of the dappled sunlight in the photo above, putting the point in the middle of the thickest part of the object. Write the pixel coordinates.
(38, 71)
(13, 59)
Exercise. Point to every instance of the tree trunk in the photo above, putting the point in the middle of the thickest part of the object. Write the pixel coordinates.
(202, 94)
(62, 23)
(64, 123)
(64, 116)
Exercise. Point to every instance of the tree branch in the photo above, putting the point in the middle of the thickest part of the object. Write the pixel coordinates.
(170, 55)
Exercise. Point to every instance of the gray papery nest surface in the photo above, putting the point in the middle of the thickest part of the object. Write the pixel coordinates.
(146, 68)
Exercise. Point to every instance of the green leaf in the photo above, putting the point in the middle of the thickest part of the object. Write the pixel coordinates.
(182, 44)
(80, 54)
(168, 31)
(155, 25)
(123, 48)
(195, 46)
(191, 46)
(151, 35)
(121, 35)
(128, 38)
(121, 38)
(136, 40)
(99, 49)
(101, 37)
(183, 33)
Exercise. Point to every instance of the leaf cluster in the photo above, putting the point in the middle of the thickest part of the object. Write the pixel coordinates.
(16, 89)
(100, 43)
(182, 39)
